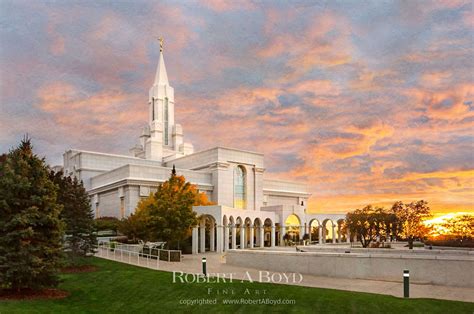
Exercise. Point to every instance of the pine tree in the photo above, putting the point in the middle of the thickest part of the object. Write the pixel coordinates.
(30, 229)
(76, 214)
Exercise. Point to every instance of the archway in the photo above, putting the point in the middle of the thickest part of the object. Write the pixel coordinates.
(207, 234)
(292, 229)
(258, 232)
(341, 234)
(268, 232)
(314, 230)
(239, 230)
(328, 232)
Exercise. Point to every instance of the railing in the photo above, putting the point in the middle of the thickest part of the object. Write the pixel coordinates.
(137, 254)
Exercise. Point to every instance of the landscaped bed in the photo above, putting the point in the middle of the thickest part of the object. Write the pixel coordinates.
(116, 287)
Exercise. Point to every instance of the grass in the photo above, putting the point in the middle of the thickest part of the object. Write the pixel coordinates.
(121, 288)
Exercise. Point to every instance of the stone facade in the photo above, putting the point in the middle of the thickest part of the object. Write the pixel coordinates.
(232, 178)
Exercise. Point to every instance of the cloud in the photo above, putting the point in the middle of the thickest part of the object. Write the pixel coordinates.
(101, 114)
(363, 105)
(223, 5)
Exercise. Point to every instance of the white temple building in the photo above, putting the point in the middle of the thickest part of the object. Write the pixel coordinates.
(251, 211)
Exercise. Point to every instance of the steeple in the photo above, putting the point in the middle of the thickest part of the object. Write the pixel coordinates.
(161, 137)
(161, 77)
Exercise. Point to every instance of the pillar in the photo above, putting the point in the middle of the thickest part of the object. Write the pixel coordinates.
(348, 236)
(320, 230)
(195, 240)
(333, 234)
(212, 240)
(262, 236)
(226, 238)
(251, 236)
(282, 234)
(202, 238)
(339, 234)
(257, 236)
(242, 237)
(234, 237)
(309, 234)
(272, 236)
(220, 238)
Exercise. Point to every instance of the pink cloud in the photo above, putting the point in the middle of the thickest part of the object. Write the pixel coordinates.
(224, 5)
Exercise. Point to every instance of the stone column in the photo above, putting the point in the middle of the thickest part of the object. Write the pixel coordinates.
(251, 236)
(220, 238)
(242, 237)
(212, 240)
(195, 240)
(333, 234)
(262, 236)
(234, 237)
(348, 236)
(202, 240)
(257, 236)
(272, 236)
(320, 230)
(226, 238)
(309, 234)
(339, 235)
(282, 234)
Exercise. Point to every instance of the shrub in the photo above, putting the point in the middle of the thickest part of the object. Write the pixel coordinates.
(107, 223)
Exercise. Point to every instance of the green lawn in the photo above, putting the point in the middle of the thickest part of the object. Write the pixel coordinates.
(120, 288)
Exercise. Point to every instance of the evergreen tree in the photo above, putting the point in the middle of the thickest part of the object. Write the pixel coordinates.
(31, 231)
(76, 214)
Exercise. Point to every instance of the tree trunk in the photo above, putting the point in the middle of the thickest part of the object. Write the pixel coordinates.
(410, 243)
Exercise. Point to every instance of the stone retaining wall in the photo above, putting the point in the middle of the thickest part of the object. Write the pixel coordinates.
(435, 269)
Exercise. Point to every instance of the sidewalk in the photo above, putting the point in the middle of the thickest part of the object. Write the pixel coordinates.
(216, 264)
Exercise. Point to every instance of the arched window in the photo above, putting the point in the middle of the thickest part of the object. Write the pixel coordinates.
(239, 187)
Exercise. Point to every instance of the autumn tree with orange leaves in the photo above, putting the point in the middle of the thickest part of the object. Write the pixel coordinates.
(166, 215)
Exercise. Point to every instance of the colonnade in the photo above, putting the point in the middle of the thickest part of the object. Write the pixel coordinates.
(223, 237)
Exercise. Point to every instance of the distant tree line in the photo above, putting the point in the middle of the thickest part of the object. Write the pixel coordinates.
(401, 221)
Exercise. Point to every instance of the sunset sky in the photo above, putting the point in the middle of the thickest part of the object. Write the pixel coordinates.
(365, 101)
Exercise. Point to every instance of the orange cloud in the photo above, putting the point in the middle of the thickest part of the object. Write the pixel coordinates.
(101, 113)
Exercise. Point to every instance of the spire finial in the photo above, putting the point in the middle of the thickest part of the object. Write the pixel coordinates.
(160, 39)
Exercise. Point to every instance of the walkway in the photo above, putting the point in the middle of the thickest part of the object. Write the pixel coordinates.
(216, 264)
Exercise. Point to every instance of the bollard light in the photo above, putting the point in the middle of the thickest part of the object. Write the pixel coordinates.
(406, 283)
(204, 266)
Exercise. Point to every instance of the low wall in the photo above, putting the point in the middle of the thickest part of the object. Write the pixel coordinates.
(393, 251)
(428, 269)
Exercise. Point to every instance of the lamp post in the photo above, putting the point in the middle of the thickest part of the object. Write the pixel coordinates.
(204, 271)
(406, 283)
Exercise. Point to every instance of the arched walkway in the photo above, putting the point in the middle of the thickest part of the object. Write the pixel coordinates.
(315, 231)
(328, 230)
(293, 229)
(204, 235)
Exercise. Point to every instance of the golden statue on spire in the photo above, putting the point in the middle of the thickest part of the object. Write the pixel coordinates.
(160, 39)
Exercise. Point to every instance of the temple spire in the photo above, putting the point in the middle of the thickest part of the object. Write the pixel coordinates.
(161, 77)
